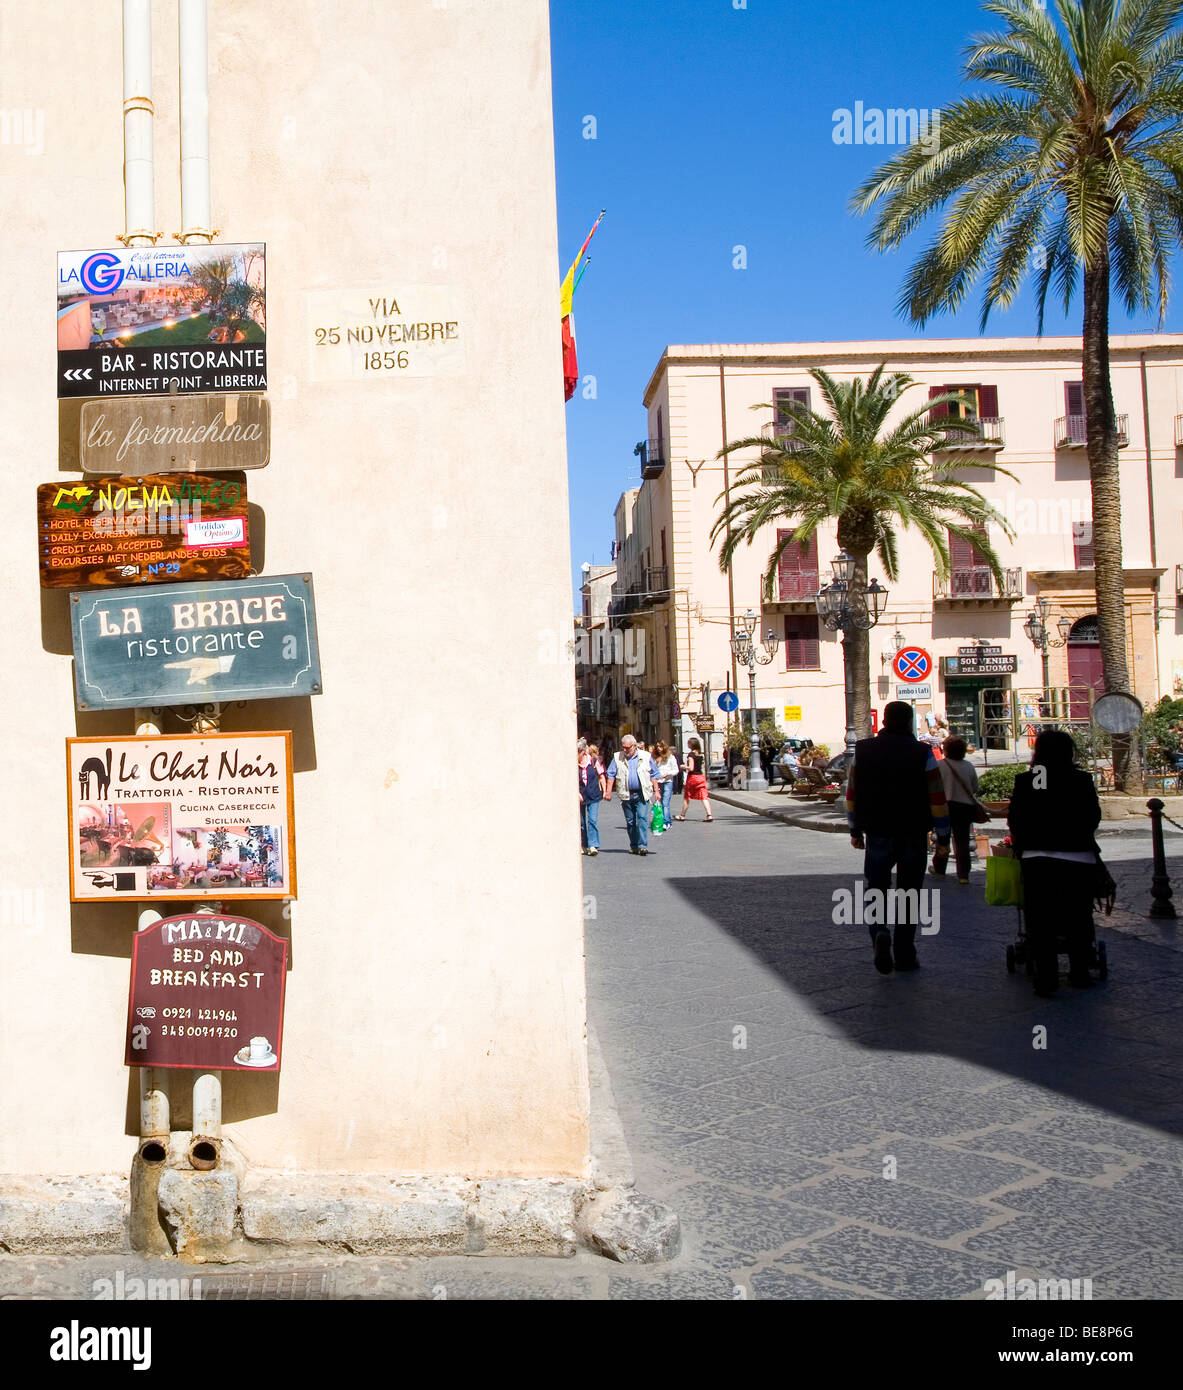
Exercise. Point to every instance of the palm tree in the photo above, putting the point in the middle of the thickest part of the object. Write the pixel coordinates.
(1073, 171)
(851, 466)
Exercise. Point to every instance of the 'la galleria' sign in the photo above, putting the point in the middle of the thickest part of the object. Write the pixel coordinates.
(188, 434)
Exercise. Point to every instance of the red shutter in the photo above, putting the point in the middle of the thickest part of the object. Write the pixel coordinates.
(802, 642)
(962, 553)
(797, 570)
(1082, 544)
(1074, 397)
(938, 410)
(988, 402)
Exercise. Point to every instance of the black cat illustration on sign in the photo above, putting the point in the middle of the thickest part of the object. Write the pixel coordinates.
(102, 776)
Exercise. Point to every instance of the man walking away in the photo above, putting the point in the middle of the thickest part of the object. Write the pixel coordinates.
(633, 774)
(894, 794)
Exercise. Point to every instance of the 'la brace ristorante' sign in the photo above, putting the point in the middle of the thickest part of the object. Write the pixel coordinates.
(185, 644)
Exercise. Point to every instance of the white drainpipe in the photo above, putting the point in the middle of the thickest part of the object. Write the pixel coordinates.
(138, 188)
(195, 199)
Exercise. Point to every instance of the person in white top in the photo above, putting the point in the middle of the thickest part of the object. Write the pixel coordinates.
(667, 770)
(960, 778)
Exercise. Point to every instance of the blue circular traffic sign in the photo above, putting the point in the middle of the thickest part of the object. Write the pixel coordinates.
(728, 701)
(912, 664)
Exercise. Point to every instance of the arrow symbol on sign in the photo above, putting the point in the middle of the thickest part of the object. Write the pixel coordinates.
(78, 373)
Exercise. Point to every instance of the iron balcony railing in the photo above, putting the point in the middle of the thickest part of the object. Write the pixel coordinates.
(1072, 432)
(991, 436)
(797, 588)
(656, 587)
(652, 453)
(977, 583)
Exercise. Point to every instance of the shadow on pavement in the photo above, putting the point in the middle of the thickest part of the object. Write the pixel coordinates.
(1117, 1046)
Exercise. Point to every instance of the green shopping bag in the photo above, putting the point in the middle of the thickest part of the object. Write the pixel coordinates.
(1004, 882)
(658, 819)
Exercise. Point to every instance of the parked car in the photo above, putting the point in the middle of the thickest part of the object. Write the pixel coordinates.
(836, 768)
(719, 773)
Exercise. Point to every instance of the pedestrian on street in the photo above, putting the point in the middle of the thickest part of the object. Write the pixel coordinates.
(960, 780)
(667, 770)
(894, 796)
(591, 793)
(1053, 819)
(633, 774)
(696, 781)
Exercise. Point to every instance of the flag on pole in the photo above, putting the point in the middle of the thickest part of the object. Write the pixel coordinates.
(566, 295)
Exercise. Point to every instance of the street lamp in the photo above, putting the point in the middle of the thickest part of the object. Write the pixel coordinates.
(845, 607)
(750, 654)
(1036, 628)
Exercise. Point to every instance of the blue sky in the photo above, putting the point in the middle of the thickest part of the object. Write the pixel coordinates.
(714, 128)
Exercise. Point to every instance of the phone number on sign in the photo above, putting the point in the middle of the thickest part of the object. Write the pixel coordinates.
(195, 1030)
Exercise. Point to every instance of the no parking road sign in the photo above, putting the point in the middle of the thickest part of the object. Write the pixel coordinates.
(912, 664)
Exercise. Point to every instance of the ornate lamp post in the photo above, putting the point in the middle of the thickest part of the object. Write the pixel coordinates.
(1036, 628)
(748, 653)
(845, 607)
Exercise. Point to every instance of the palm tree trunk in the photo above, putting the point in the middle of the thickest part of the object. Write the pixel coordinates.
(1101, 430)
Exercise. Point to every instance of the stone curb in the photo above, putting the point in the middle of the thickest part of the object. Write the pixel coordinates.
(837, 827)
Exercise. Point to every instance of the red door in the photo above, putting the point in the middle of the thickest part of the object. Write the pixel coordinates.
(1084, 664)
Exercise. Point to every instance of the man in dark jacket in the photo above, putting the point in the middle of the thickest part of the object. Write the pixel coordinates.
(894, 796)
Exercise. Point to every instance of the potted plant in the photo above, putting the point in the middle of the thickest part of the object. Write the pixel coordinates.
(995, 786)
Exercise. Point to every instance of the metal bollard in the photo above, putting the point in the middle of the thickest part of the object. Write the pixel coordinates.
(1160, 884)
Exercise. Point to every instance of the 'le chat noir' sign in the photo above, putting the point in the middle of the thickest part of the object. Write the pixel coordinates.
(183, 644)
(207, 992)
(181, 816)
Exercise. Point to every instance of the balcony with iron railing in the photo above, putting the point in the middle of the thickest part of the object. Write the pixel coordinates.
(799, 587)
(652, 454)
(655, 588)
(977, 585)
(991, 437)
(1072, 432)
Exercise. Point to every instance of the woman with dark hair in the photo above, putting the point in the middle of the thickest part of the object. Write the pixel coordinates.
(961, 791)
(1054, 814)
(696, 780)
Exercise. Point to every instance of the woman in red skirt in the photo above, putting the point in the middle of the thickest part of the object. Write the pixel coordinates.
(696, 780)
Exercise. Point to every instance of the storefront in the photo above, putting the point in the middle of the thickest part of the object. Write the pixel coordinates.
(970, 676)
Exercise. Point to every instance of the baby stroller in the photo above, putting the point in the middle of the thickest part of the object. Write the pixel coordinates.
(1017, 953)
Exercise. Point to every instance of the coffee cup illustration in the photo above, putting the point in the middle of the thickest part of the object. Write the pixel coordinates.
(259, 1053)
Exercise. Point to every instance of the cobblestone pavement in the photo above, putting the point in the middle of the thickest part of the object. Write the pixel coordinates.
(770, 1082)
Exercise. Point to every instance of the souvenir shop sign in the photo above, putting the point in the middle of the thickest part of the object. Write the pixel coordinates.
(157, 320)
(151, 530)
(185, 644)
(206, 991)
(990, 662)
(196, 434)
(181, 816)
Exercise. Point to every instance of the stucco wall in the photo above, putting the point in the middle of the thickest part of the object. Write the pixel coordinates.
(435, 1005)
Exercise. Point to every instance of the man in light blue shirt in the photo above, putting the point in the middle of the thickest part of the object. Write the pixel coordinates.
(634, 774)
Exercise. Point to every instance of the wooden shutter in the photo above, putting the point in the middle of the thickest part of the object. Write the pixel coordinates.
(802, 642)
(988, 402)
(962, 553)
(1082, 544)
(797, 570)
(938, 411)
(1074, 398)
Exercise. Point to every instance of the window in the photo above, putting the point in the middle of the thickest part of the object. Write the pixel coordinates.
(1082, 544)
(1074, 398)
(802, 642)
(970, 570)
(660, 437)
(797, 570)
(982, 403)
(788, 395)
